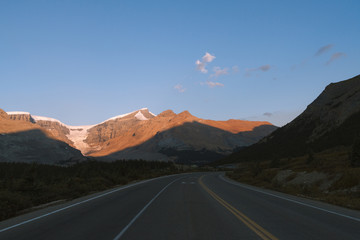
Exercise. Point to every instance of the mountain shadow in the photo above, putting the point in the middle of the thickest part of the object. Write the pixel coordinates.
(35, 146)
(331, 120)
(191, 143)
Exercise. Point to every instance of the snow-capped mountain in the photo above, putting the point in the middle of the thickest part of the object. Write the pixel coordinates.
(25, 141)
(142, 134)
(76, 135)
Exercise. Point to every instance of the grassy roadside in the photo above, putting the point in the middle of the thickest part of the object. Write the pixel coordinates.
(327, 176)
(25, 186)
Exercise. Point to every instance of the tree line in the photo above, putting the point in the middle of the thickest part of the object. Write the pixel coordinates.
(24, 185)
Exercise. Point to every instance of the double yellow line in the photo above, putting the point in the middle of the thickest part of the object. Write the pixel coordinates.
(261, 232)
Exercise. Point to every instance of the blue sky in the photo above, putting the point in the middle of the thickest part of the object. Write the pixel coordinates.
(85, 61)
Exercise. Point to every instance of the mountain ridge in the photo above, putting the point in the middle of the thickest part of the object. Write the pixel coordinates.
(135, 128)
(25, 141)
(325, 123)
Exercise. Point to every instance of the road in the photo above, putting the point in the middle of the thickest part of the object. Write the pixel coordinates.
(186, 206)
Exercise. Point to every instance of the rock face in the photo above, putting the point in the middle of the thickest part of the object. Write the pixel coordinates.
(332, 119)
(334, 105)
(21, 116)
(57, 129)
(23, 141)
(116, 127)
(180, 137)
(140, 134)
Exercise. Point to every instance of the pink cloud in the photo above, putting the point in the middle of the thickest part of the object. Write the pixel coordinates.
(335, 56)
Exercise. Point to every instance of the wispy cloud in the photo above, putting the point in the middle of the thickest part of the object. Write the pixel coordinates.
(267, 114)
(235, 69)
(179, 88)
(335, 56)
(323, 49)
(212, 84)
(279, 118)
(262, 68)
(218, 72)
(201, 65)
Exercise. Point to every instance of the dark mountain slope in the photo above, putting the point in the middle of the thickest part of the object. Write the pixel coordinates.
(191, 142)
(35, 146)
(24, 141)
(333, 119)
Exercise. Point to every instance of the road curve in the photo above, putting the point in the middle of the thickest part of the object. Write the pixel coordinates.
(186, 206)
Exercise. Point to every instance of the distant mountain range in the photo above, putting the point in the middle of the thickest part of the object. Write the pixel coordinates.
(330, 121)
(140, 134)
(25, 141)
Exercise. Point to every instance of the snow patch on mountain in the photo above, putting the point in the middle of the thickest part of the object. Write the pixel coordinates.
(127, 114)
(140, 116)
(77, 135)
(146, 109)
(17, 113)
(40, 118)
(117, 117)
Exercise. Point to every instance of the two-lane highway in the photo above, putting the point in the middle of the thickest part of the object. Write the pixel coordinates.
(186, 206)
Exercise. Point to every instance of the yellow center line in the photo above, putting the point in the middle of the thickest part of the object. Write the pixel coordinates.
(261, 232)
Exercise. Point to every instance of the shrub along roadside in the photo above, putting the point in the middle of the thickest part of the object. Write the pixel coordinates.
(339, 194)
(23, 185)
(329, 176)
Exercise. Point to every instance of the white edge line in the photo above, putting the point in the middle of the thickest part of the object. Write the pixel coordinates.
(84, 201)
(142, 210)
(290, 200)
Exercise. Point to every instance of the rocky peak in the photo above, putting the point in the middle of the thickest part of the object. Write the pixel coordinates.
(186, 116)
(332, 107)
(167, 113)
(330, 121)
(141, 114)
(146, 113)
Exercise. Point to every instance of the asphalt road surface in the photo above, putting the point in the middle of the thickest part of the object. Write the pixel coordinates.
(187, 206)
